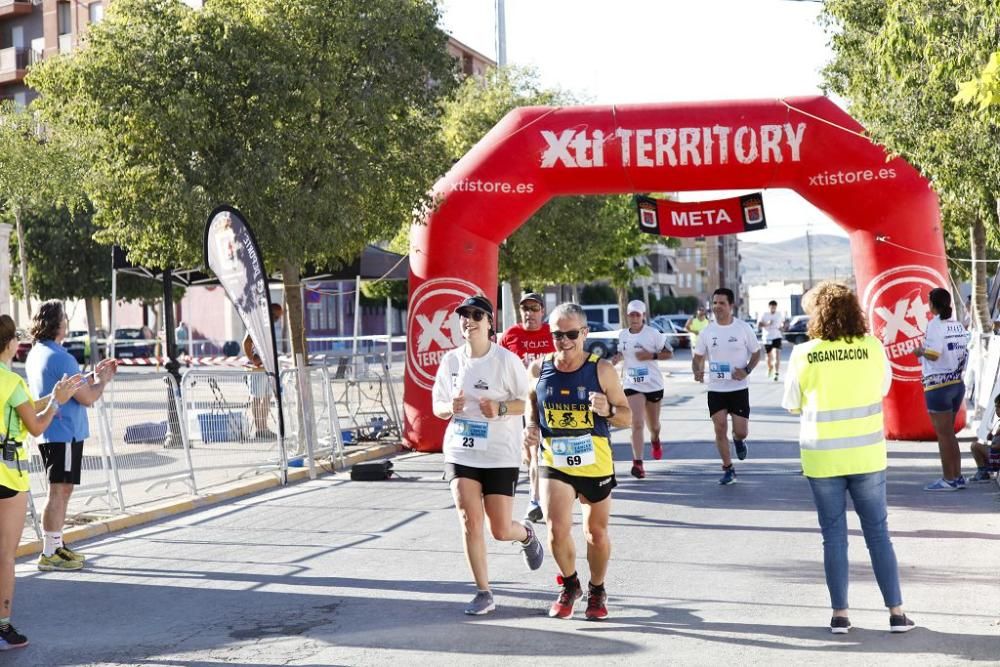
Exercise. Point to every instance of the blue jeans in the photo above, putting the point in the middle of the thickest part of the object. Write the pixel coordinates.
(868, 493)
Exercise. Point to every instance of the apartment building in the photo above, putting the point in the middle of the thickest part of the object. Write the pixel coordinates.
(696, 268)
(31, 30)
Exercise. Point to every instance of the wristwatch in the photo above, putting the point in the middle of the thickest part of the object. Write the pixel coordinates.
(502, 409)
(611, 411)
(747, 369)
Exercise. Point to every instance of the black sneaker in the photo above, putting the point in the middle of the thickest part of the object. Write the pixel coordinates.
(741, 448)
(839, 625)
(900, 623)
(11, 638)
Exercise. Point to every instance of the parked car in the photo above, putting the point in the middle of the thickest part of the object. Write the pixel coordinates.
(136, 342)
(664, 324)
(23, 347)
(607, 314)
(76, 344)
(796, 331)
(602, 340)
(676, 323)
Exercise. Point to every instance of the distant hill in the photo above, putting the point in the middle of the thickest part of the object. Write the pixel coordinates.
(789, 260)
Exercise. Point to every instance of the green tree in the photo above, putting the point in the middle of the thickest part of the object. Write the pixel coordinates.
(898, 62)
(603, 229)
(317, 119)
(64, 262)
(38, 169)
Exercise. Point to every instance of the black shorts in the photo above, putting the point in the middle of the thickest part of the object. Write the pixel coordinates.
(495, 481)
(651, 396)
(734, 402)
(772, 345)
(7, 492)
(57, 467)
(594, 489)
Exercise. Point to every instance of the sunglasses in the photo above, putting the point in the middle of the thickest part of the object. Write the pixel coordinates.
(531, 309)
(468, 314)
(572, 335)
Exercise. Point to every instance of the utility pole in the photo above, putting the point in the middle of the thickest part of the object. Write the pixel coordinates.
(809, 251)
(507, 305)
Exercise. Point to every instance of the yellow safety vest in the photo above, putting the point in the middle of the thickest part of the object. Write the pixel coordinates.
(841, 386)
(13, 474)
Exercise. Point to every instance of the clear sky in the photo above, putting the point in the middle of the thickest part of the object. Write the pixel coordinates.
(634, 51)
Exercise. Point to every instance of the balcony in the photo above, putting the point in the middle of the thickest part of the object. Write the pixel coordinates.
(66, 43)
(13, 63)
(15, 8)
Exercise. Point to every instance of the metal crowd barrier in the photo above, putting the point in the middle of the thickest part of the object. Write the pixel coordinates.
(150, 442)
(219, 415)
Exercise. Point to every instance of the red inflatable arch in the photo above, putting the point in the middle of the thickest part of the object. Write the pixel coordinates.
(806, 144)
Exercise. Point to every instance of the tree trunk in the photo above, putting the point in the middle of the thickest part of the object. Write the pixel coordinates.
(22, 260)
(93, 344)
(515, 294)
(294, 315)
(622, 293)
(977, 242)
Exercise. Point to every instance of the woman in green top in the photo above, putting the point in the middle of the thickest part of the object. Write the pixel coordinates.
(696, 324)
(19, 415)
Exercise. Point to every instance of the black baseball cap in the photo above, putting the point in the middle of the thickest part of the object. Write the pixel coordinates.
(533, 296)
(478, 302)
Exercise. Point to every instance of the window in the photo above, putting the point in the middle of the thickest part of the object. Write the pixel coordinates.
(63, 18)
(95, 12)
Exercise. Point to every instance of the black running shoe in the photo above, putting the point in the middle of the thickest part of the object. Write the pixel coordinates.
(11, 638)
(900, 623)
(839, 625)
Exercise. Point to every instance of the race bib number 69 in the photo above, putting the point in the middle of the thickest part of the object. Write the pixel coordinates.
(573, 452)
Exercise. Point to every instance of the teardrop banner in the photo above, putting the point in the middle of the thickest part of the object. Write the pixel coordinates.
(232, 253)
(735, 215)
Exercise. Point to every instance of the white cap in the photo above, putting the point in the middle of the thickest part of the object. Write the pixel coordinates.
(636, 307)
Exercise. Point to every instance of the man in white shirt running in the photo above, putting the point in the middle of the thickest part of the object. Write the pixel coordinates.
(771, 324)
(731, 347)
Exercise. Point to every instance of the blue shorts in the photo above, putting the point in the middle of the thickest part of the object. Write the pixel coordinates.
(946, 398)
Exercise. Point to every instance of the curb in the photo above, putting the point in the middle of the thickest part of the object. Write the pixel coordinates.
(228, 492)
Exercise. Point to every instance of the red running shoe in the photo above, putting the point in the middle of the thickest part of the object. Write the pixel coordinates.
(657, 450)
(597, 605)
(563, 606)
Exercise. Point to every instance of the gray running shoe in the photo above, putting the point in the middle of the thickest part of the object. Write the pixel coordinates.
(481, 604)
(532, 551)
(534, 513)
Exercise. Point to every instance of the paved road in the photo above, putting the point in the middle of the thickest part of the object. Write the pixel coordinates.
(335, 572)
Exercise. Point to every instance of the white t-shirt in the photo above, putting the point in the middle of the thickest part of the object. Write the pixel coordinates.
(644, 376)
(948, 341)
(770, 326)
(472, 439)
(726, 348)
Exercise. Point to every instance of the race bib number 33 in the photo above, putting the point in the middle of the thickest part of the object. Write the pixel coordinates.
(573, 452)
(720, 371)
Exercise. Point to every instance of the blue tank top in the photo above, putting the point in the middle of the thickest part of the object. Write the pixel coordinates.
(563, 403)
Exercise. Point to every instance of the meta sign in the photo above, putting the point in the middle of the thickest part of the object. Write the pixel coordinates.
(735, 215)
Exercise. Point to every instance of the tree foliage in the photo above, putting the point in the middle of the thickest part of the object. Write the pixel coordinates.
(37, 170)
(64, 261)
(898, 63)
(570, 239)
(317, 119)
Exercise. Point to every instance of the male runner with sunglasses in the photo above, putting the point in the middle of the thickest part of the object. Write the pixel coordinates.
(530, 339)
(575, 398)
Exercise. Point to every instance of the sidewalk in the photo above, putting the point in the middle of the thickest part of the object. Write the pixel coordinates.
(336, 572)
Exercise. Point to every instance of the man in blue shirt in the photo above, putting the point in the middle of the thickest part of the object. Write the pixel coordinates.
(61, 445)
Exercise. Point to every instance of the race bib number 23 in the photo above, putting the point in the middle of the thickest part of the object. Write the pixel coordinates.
(469, 435)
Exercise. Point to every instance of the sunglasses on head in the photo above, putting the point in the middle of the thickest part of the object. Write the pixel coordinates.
(471, 314)
(572, 335)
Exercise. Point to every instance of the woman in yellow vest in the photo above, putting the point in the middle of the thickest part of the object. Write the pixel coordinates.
(20, 415)
(836, 381)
